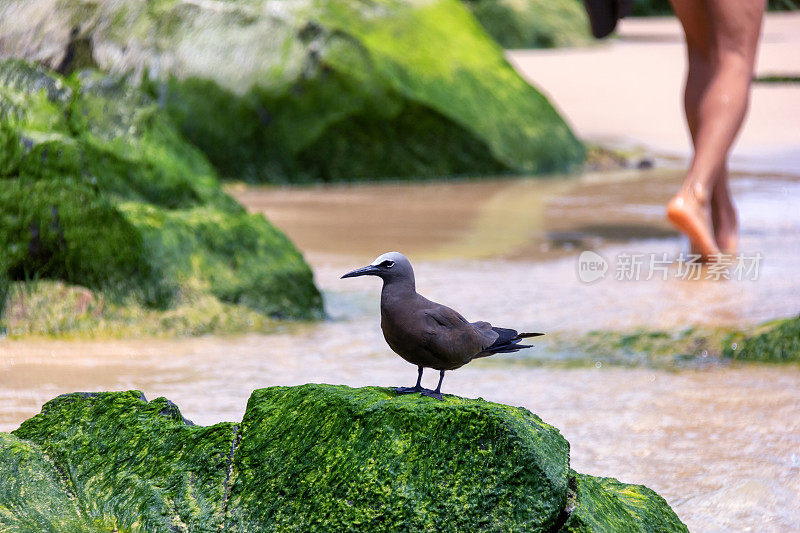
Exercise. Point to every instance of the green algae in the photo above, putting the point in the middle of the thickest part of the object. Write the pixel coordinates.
(532, 23)
(668, 349)
(650, 8)
(605, 504)
(371, 459)
(777, 341)
(134, 464)
(313, 457)
(777, 79)
(100, 190)
(34, 495)
(348, 148)
(293, 92)
(64, 230)
(47, 308)
(517, 123)
(237, 257)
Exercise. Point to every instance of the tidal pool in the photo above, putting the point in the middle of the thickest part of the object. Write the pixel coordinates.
(721, 444)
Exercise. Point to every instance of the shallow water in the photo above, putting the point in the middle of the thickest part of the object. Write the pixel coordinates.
(722, 445)
(507, 250)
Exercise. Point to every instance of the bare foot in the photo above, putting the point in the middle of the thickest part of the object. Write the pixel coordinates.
(726, 226)
(693, 218)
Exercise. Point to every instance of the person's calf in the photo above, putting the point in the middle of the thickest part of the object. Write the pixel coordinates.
(724, 218)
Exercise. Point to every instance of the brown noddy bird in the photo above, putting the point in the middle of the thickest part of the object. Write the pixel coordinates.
(428, 334)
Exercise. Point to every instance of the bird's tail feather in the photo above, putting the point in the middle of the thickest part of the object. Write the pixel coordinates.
(507, 342)
(510, 348)
(527, 335)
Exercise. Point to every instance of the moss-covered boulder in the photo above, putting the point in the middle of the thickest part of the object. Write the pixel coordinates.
(605, 504)
(533, 23)
(774, 342)
(308, 458)
(308, 90)
(35, 494)
(98, 188)
(134, 464)
(368, 458)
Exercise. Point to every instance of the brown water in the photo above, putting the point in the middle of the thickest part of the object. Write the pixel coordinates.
(722, 445)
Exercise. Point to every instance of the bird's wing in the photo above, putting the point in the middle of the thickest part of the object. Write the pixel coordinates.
(446, 317)
(449, 336)
(487, 333)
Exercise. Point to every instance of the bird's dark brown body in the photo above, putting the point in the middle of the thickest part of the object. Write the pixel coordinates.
(428, 334)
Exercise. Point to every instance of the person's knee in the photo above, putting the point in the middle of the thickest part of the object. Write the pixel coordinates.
(734, 63)
(735, 49)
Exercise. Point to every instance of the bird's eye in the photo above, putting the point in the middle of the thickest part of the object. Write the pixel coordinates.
(387, 264)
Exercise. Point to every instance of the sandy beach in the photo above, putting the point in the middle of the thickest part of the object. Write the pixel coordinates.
(628, 91)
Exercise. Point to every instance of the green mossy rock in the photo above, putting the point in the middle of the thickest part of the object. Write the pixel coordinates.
(237, 257)
(605, 504)
(533, 23)
(98, 188)
(307, 458)
(773, 342)
(134, 464)
(314, 89)
(34, 494)
(341, 458)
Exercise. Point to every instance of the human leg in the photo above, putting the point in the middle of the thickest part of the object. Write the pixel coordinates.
(723, 212)
(691, 215)
(721, 38)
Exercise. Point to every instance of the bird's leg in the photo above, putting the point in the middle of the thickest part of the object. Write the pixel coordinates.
(415, 388)
(435, 393)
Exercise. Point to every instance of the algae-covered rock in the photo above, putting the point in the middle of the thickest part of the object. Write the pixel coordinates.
(98, 188)
(308, 458)
(136, 464)
(314, 89)
(34, 493)
(533, 23)
(773, 342)
(339, 457)
(605, 504)
(694, 346)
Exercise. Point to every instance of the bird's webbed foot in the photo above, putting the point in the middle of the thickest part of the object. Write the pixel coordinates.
(432, 394)
(408, 390)
(435, 393)
(415, 388)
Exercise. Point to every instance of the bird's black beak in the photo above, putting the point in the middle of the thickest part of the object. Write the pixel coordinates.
(369, 270)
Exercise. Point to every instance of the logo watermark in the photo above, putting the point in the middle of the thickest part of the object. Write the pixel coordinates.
(593, 267)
